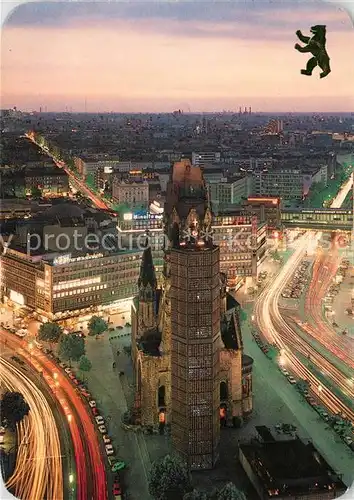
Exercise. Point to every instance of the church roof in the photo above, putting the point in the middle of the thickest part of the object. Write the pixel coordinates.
(150, 342)
(147, 270)
(231, 332)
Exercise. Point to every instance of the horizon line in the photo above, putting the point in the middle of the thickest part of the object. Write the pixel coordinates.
(225, 112)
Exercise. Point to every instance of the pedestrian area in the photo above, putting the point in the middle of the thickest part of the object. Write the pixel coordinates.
(105, 385)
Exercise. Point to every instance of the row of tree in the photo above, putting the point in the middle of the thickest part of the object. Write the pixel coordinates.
(71, 347)
(170, 479)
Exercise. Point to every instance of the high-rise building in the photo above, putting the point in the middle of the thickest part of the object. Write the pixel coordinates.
(195, 363)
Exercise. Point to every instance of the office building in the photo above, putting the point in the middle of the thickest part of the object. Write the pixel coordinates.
(231, 191)
(267, 210)
(286, 183)
(131, 193)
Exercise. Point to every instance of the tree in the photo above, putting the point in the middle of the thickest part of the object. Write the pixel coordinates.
(229, 492)
(85, 364)
(196, 495)
(13, 408)
(36, 192)
(50, 332)
(169, 479)
(97, 325)
(275, 255)
(71, 347)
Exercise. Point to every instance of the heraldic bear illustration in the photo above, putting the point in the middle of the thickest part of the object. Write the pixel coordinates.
(316, 44)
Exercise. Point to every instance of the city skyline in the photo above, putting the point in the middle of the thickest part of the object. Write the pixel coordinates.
(196, 57)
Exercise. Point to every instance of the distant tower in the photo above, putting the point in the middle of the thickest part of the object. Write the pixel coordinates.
(245, 111)
(250, 110)
(240, 110)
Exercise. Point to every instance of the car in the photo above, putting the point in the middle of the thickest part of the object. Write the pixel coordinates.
(116, 489)
(99, 419)
(102, 429)
(285, 372)
(38, 344)
(292, 380)
(106, 439)
(21, 333)
(95, 411)
(348, 440)
(71, 376)
(92, 403)
(67, 370)
(62, 365)
(76, 381)
(109, 449)
(86, 394)
(18, 360)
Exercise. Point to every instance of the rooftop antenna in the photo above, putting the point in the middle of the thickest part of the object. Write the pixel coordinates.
(85, 105)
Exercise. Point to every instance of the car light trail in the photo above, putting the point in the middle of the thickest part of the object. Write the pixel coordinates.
(38, 472)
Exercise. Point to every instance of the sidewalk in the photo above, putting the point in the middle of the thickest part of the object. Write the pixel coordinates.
(105, 386)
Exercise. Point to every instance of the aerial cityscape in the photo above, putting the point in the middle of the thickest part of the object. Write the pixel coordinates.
(176, 252)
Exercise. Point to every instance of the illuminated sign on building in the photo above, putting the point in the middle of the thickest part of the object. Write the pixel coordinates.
(62, 259)
(128, 216)
(16, 297)
(148, 216)
(65, 259)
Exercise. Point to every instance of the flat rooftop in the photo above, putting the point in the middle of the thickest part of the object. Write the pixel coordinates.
(290, 467)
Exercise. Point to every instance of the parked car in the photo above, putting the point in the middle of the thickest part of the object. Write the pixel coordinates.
(292, 380)
(86, 394)
(106, 439)
(92, 403)
(109, 449)
(102, 429)
(21, 333)
(38, 344)
(99, 419)
(95, 411)
(348, 440)
(67, 370)
(116, 489)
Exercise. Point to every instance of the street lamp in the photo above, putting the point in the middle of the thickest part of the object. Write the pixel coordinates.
(320, 388)
(70, 418)
(71, 478)
(55, 375)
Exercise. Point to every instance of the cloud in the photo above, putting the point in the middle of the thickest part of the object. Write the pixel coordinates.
(285, 16)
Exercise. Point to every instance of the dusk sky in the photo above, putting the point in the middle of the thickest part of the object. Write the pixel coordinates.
(152, 57)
